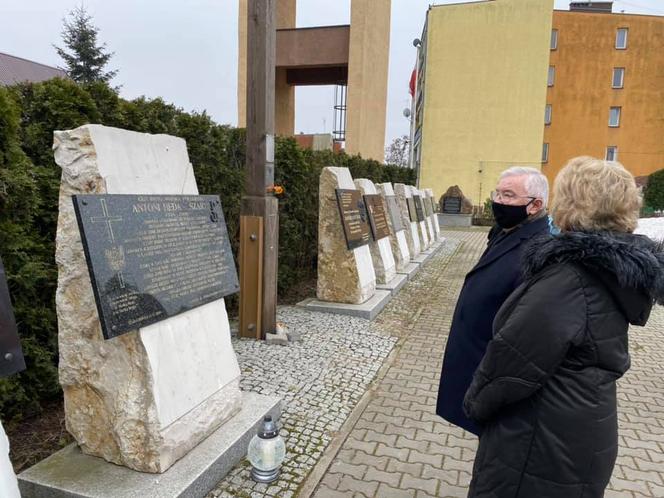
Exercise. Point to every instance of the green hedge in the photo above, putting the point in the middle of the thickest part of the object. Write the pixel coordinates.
(30, 179)
(653, 198)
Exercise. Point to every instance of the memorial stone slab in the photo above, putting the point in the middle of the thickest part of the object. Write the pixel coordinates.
(434, 214)
(431, 234)
(344, 275)
(153, 257)
(381, 250)
(354, 217)
(419, 208)
(412, 210)
(147, 397)
(454, 202)
(394, 210)
(403, 194)
(420, 224)
(398, 240)
(11, 362)
(11, 354)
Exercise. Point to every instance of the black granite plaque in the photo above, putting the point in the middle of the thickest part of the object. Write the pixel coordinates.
(11, 354)
(433, 204)
(419, 207)
(354, 217)
(395, 212)
(412, 214)
(151, 257)
(452, 205)
(377, 216)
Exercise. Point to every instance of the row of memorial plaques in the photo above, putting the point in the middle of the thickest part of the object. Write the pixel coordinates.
(151, 257)
(363, 217)
(11, 354)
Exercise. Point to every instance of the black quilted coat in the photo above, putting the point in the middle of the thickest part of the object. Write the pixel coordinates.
(545, 390)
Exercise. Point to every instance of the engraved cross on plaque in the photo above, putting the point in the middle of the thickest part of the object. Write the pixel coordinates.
(106, 219)
(114, 255)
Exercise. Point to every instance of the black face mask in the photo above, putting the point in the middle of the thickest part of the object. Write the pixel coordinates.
(509, 216)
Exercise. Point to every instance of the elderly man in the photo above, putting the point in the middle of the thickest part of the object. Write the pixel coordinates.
(519, 207)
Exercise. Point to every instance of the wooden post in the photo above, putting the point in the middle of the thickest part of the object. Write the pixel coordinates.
(258, 300)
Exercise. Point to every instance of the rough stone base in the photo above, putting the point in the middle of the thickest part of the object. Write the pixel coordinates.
(455, 220)
(71, 474)
(395, 284)
(368, 310)
(410, 270)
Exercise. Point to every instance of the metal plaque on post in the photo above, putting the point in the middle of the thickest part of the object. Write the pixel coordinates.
(354, 217)
(151, 257)
(377, 216)
(395, 212)
(11, 354)
(419, 207)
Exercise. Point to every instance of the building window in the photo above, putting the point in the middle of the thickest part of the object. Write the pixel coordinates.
(545, 153)
(621, 38)
(554, 39)
(612, 153)
(552, 75)
(547, 114)
(618, 77)
(614, 117)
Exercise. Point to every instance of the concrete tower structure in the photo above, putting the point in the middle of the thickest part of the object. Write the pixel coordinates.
(354, 56)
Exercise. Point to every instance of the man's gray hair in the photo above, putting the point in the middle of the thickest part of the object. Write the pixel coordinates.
(536, 183)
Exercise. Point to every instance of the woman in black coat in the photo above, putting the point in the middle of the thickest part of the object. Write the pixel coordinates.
(545, 391)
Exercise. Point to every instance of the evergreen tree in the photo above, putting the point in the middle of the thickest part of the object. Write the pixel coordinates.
(85, 59)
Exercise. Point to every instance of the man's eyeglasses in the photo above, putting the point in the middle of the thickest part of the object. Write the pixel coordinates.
(508, 196)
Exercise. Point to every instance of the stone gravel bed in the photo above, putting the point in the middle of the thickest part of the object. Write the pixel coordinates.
(320, 379)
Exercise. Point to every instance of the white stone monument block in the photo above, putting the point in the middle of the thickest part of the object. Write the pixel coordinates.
(146, 398)
(381, 250)
(344, 276)
(421, 226)
(431, 233)
(434, 216)
(402, 192)
(8, 483)
(398, 237)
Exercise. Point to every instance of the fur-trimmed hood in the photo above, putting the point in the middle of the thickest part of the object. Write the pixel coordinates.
(631, 266)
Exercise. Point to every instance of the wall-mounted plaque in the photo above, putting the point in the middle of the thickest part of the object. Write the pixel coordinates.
(412, 214)
(151, 257)
(354, 217)
(377, 216)
(452, 205)
(11, 354)
(419, 207)
(395, 212)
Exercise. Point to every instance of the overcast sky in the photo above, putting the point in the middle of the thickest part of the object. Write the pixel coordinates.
(186, 51)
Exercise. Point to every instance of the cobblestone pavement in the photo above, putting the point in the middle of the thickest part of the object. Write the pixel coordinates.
(398, 447)
(320, 379)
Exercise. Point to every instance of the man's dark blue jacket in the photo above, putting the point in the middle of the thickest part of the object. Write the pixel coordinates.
(487, 286)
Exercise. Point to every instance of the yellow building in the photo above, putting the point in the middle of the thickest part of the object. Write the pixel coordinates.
(511, 82)
(354, 57)
(606, 92)
(481, 90)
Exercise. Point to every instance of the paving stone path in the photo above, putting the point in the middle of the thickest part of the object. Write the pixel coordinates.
(398, 447)
(320, 379)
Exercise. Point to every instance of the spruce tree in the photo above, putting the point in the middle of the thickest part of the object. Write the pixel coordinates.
(85, 59)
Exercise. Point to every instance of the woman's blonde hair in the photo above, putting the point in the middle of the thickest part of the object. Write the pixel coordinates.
(591, 195)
